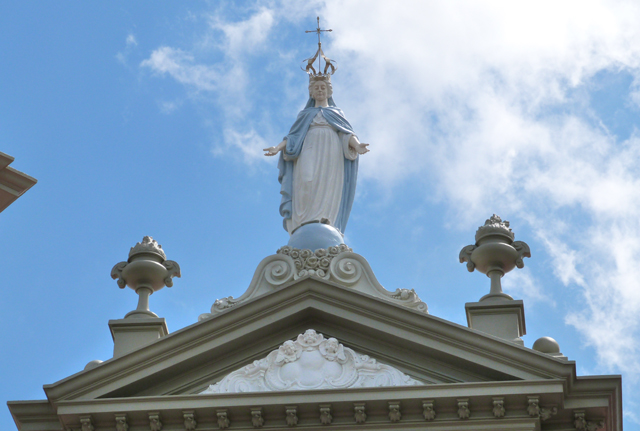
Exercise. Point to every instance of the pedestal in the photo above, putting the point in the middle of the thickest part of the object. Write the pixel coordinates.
(134, 333)
(499, 317)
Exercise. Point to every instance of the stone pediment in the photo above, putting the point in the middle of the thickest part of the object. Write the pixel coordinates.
(426, 348)
(466, 374)
(311, 362)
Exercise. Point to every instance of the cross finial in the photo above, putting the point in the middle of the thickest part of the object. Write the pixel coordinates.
(317, 30)
(319, 53)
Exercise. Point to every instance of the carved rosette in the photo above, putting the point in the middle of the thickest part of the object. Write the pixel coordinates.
(311, 362)
(495, 253)
(308, 262)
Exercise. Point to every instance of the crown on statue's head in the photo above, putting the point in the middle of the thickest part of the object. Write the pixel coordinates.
(329, 65)
(319, 77)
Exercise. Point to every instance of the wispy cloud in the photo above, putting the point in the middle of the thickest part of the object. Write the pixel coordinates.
(130, 44)
(226, 80)
(181, 66)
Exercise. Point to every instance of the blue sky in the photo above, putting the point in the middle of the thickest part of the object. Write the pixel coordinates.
(147, 118)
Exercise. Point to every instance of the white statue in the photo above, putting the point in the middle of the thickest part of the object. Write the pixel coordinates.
(318, 159)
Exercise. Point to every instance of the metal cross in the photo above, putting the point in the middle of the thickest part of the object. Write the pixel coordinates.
(317, 30)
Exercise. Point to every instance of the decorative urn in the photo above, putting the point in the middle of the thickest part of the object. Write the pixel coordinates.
(146, 271)
(495, 253)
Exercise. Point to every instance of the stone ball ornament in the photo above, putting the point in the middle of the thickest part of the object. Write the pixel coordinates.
(546, 345)
(146, 271)
(495, 253)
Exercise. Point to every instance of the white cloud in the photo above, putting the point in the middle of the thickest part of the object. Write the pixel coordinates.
(250, 144)
(521, 284)
(180, 66)
(241, 38)
(131, 40)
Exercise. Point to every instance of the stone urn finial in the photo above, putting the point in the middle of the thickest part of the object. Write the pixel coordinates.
(146, 271)
(495, 253)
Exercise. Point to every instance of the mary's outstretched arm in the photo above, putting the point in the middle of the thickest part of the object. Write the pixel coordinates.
(357, 146)
(272, 151)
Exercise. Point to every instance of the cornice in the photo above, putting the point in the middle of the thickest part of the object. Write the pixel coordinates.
(296, 302)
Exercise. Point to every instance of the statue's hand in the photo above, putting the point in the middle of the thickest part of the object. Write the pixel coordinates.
(271, 151)
(362, 148)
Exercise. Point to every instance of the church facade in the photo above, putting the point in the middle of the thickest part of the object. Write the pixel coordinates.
(320, 344)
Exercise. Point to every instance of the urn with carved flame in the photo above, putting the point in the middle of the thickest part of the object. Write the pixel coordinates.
(495, 253)
(146, 271)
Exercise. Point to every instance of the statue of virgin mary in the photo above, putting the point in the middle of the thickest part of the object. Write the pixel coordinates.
(318, 162)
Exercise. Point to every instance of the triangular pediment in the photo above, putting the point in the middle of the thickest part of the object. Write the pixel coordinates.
(424, 347)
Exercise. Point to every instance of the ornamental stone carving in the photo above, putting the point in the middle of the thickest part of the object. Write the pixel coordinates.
(582, 424)
(428, 410)
(498, 407)
(359, 413)
(256, 417)
(291, 415)
(307, 262)
(463, 409)
(155, 424)
(223, 419)
(121, 422)
(337, 264)
(546, 413)
(394, 411)
(311, 362)
(85, 422)
(495, 253)
(146, 271)
(190, 423)
(325, 414)
(534, 406)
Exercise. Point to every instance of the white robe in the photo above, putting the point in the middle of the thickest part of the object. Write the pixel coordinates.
(318, 175)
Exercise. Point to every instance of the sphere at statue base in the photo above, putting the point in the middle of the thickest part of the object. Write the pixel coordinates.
(313, 236)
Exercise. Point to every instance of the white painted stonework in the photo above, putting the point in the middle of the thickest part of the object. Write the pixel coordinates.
(311, 362)
(336, 264)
